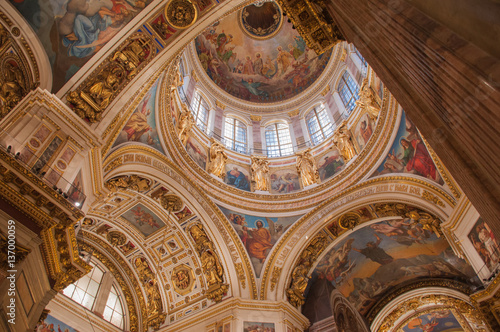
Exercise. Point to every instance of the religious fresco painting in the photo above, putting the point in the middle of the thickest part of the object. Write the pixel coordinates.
(435, 321)
(409, 154)
(141, 127)
(197, 152)
(284, 181)
(381, 256)
(142, 218)
(72, 31)
(363, 130)
(486, 244)
(75, 192)
(256, 68)
(51, 324)
(329, 164)
(238, 176)
(258, 327)
(258, 234)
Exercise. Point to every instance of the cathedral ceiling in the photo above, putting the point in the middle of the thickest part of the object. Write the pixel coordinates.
(336, 231)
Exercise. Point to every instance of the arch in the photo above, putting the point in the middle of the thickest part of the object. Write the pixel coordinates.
(162, 170)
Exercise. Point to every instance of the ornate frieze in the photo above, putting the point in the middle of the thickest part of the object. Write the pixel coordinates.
(91, 99)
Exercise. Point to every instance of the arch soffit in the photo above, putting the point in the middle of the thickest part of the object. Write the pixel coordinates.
(165, 171)
(414, 303)
(381, 190)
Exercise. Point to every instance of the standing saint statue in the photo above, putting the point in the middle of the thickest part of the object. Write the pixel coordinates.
(186, 122)
(260, 170)
(218, 158)
(307, 169)
(343, 141)
(367, 101)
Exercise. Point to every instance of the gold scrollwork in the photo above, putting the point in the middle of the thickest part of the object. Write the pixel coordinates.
(132, 182)
(116, 238)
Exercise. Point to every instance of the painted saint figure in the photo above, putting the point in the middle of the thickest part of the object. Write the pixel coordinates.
(259, 241)
(375, 253)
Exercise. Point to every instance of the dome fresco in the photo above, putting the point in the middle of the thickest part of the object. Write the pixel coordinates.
(258, 69)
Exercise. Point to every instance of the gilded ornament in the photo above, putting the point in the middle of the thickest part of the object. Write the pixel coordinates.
(218, 159)
(241, 274)
(307, 168)
(131, 182)
(349, 220)
(170, 202)
(181, 14)
(132, 55)
(367, 101)
(183, 279)
(12, 84)
(314, 23)
(116, 238)
(210, 263)
(432, 198)
(260, 173)
(275, 277)
(186, 122)
(343, 141)
(300, 278)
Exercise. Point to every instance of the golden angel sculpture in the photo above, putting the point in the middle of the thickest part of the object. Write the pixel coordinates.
(367, 101)
(186, 122)
(343, 141)
(218, 159)
(177, 81)
(307, 168)
(260, 172)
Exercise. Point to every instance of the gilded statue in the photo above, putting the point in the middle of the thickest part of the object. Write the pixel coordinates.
(218, 159)
(154, 298)
(367, 101)
(299, 284)
(186, 122)
(132, 56)
(307, 169)
(212, 268)
(81, 108)
(103, 90)
(176, 82)
(259, 173)
(200, 238)
(12, 87)
(343, 141)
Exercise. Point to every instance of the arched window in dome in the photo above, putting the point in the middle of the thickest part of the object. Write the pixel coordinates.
(348, 91)
(113, 312)
(200, 111)
(235, 135)
(84, 290)
(318, 125)
(278, 140)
